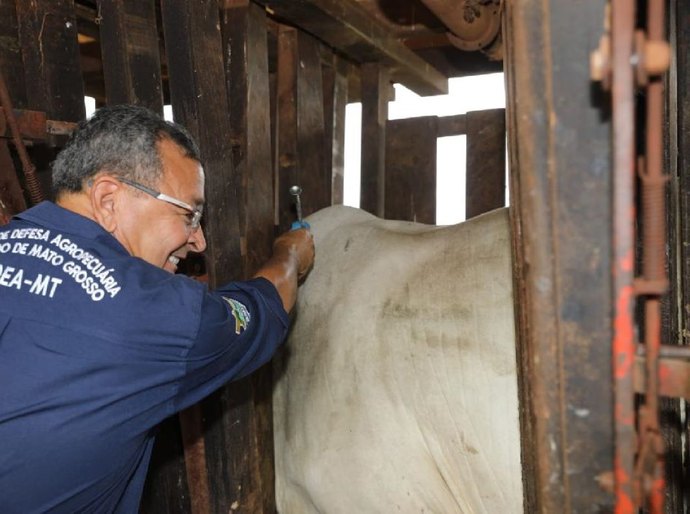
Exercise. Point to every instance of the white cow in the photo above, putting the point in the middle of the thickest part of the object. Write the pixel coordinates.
(398, 391)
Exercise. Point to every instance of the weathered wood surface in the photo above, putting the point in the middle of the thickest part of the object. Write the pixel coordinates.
(48, 38)
(452, 125)
(301, 159)
(199, 100)
(375, 84)
(346, 27)
(166, 490)
(11, 55)
(130, 52)
(245, 42)
(486, 162)
(560, 196)
(676, 320)
(411, 169)
(245, 46)
(12, 68)
(335, 89)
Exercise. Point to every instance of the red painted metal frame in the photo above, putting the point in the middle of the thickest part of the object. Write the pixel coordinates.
(649, 472)
(638, 475)
(622, 27)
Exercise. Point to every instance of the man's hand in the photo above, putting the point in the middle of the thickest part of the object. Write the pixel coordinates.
(293, 257)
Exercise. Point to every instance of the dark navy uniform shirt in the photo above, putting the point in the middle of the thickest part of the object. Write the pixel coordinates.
(96, 348)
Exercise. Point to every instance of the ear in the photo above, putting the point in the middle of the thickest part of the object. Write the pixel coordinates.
(104, 200)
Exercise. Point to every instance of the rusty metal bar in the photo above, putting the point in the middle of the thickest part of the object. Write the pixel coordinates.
(649, 475)
(673, 371)
(622, 25)
(34, 126)
(60, 128)
(32, 182)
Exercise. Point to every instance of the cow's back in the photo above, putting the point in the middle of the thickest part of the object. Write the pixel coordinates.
(397, 391)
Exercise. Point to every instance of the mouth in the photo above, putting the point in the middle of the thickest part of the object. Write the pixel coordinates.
(171, 264)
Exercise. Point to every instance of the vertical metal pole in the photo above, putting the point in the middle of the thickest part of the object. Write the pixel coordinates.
(622, 25)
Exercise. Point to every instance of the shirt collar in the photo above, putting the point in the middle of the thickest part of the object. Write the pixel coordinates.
(49, 215)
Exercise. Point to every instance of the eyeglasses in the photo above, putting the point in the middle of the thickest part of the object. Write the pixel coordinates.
(195, 220)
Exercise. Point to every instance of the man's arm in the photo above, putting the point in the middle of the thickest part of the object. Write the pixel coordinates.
(293, 256)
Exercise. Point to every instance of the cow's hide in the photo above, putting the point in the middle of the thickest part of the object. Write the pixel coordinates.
(397, 391)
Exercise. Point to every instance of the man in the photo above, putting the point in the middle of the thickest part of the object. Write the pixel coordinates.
(99, 339)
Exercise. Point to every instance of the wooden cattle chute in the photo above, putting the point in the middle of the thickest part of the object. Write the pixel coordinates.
(263, 86)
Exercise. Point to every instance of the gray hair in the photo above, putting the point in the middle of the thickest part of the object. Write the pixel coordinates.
(121, 140)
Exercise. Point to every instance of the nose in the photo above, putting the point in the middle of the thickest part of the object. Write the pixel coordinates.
(197, 241)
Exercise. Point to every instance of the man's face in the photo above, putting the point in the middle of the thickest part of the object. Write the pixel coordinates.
(157, 231)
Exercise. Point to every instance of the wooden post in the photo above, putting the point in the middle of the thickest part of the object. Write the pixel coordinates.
(48, 38)
(199, 99)
(677, 318)
(245, 42)
(301, 159)
(11, 66)
(52, 73)
(560, 151)
(375, 86)
(287, 172)
(335, 100)
(10, 54)
(411, 169)
(131, 55)
(486, 162)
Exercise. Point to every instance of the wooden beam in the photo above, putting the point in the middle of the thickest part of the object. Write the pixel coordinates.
(452, 125)
(245, 43)
(411, 169)
(52, 71)
(375, 82)
(301, 134)
(131, 55)
(287, 166)
(485, 188)
(48, 38)
(677, 317)
(166, 483)
(10, 54)
(560, 154)
(348, 28)
(199, 101)
(335, 101)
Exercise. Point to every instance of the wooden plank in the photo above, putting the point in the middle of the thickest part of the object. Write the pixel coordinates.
(452, 125)
(486, 164)
(52, 72)
(12, 69)
(48, 37)
(335, 93)
(288, 172)
(560, 203)
(131, 54)
(11, 62)
(199, 100)
(411, 169)
(301, 133)
(375, 81)
(351, 30)
(166, 488)
(244, 33)
(315, 176)
(675, 424)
